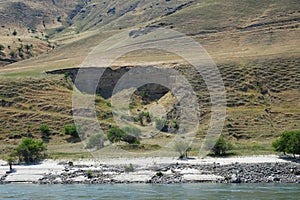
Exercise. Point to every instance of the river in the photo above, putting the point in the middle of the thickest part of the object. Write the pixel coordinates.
(148, 191)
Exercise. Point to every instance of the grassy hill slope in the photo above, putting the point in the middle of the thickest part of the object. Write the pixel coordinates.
(254, 44)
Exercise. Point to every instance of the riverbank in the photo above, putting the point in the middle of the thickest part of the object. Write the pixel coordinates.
(250, 169)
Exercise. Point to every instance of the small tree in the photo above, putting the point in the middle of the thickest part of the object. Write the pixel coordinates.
(288, 142)
(221, 147)
(1, 47)
(96, 141)
(30, 150)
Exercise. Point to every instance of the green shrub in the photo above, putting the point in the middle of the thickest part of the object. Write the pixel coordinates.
(30, 150)
(45, 130)
(96, 141)
(115, 134)
(288, 142)
(1, 47)
(221, 147)
(159, 174)
(89, 174)
(71, 130)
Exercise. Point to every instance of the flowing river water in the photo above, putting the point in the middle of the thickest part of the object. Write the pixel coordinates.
(148, 191)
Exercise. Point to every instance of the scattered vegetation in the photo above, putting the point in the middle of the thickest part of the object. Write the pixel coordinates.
(288, 142)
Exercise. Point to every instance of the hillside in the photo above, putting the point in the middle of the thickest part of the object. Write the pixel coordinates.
(254, 44)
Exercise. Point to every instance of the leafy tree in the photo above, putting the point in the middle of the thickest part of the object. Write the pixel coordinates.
(96, 140)
(221, 147)
(115, 134)
(30, 150)
(288, 142)
(1, 47)
(72, 130)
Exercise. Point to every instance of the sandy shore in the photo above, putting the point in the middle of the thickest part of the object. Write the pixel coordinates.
(269, 168)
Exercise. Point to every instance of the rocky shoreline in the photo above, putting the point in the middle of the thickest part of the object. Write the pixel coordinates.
(177, 172)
